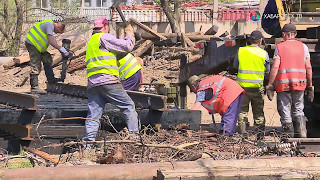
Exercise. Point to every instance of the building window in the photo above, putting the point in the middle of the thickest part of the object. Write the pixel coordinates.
(87, 3)
(42, 3)
(59, 3)
(103, 3)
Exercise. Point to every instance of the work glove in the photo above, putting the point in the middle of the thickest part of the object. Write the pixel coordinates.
(310, 93)
(64, 52)
(129, 30)
(270, 92)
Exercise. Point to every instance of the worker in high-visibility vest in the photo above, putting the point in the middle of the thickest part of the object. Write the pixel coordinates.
(130, 68)
(252, 63)
(37, 41)
(218, 94)
(130, 72)
(291, 75)
(103, 77)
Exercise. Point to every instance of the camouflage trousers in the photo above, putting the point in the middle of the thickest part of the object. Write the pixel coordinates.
(37, 57)
(256, 97)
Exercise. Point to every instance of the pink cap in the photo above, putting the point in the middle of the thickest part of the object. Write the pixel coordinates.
(100, 22)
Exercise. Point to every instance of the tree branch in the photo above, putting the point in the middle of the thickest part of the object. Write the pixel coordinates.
(1, 14)
(5, 34)
(56, 14)
(180, 147)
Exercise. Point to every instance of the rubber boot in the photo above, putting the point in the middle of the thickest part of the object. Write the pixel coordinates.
(288, 130)
(300, 127)
(49, 74)
(34, 84)
(260, 130)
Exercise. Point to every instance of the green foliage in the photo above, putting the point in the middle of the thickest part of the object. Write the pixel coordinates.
(22, 163)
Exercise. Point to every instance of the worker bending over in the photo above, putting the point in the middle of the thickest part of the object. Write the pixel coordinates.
(130, 71)
(103, 77)
(37, 41)
(252, 63)
(218, 94)
(291, 74)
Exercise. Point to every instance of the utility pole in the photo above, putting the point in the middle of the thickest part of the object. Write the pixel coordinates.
(215, 11)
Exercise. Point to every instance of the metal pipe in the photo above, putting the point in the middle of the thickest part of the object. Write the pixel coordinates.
(300, 9)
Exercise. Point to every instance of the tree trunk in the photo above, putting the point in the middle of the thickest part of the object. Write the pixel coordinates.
(14, 49)
(173, 16)
(12, 15)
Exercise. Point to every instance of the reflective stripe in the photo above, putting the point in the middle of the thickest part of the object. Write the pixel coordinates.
(125, 64)
(206, 85)
(128, 70)
(250, 72)
(34, 38)
(290, 81)
(211, 106)
(291, 70)
(99, 58)
(102, 67)
(249, 80)
(39, 33)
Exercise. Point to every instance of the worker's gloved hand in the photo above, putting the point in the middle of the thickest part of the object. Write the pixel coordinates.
(310, 93)
(129, 30)
(270, 92)
(64, 52)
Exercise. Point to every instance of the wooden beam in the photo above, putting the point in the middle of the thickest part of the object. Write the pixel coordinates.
(142, 48)
(147, 29)
(187, 40)
(192, 37)
(42, 154)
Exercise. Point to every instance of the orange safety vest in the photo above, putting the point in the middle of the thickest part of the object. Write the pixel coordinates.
(292, 72)
(225, 91)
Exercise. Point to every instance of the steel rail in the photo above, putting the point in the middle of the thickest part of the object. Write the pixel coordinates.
(143, 100)
(22, 100)
(308, 144)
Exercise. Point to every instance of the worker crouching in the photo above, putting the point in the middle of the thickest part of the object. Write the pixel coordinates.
(221, 95)
(130, 71)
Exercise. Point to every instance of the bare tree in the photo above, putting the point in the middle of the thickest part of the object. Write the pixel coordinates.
(11, 28)
(173, 15)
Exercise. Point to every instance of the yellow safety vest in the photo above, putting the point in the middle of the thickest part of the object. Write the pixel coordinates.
(38, 38)
(251, 66)
(128, 66)
(100, 62)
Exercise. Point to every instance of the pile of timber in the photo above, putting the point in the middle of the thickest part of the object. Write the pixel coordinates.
(172, 44)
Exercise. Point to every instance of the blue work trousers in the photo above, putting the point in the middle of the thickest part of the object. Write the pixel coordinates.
(230, 117)
(116, 95)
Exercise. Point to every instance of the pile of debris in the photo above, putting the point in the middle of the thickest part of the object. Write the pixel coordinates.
(155, 145)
